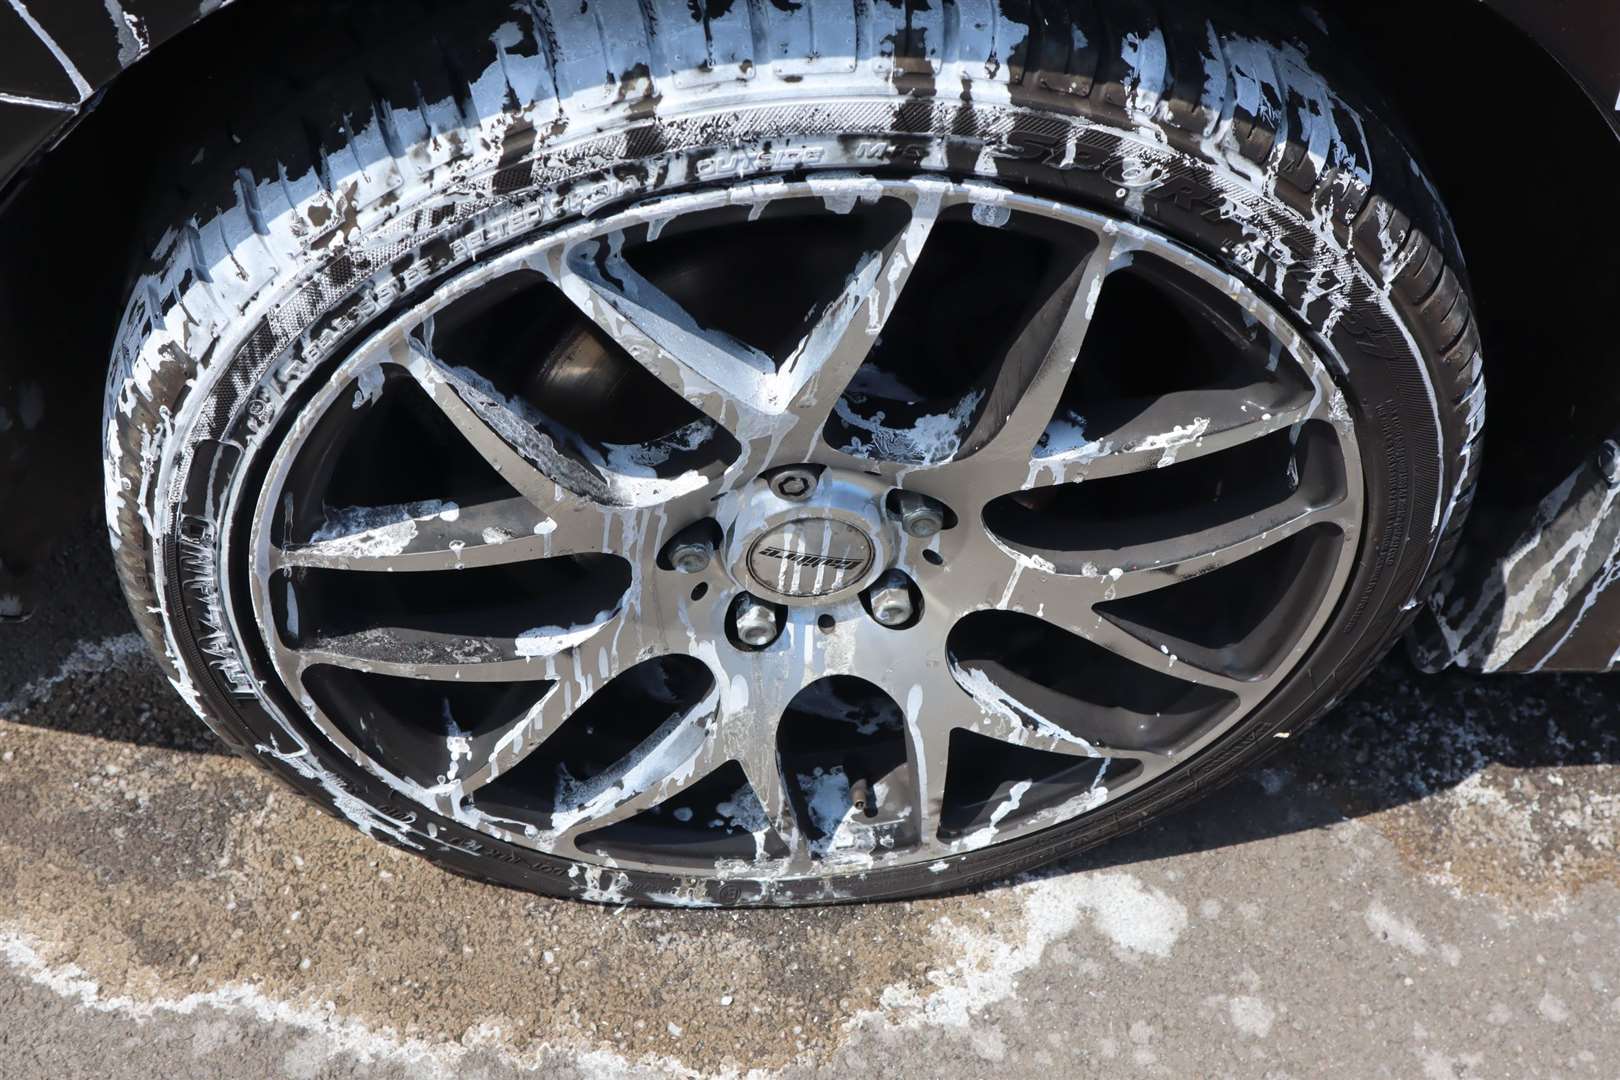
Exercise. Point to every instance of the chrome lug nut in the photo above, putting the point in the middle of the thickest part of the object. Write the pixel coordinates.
(794, 483)
(690, 556)
(891, 599)
(1608, 462)
(756, 622)
(920, 516)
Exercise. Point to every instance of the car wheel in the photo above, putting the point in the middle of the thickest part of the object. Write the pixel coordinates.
(731, 458)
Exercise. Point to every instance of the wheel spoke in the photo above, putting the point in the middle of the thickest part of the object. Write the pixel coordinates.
(1040, 583)
(1160, 658)
(609, 644)
(417, 654)
(426, 536)
(1147, 567)
(723, 378)
(919, 681)
(578, 663)
(572, 493)
(1175, 427)
(1011, 713)
(681, 752)
(816, 373)
(1038, 365)
(733, 383)
(930, 710)
(932, 705)
(762, 766)
(576, 677)
(1019, 710)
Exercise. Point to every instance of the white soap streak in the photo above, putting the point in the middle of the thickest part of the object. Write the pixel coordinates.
(543, 641)
(1135, 918)
(1169, 443)
(69, 68)
(86, 658)
(343, 1037)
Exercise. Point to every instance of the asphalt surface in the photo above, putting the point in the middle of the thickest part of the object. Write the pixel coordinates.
(1423, 885)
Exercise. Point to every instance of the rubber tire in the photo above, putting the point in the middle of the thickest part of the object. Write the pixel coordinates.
(361, 170)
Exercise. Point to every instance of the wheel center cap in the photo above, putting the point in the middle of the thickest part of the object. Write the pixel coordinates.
(810, 557)
(809, 552)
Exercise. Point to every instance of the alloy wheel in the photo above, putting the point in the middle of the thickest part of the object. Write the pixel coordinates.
(791, 530)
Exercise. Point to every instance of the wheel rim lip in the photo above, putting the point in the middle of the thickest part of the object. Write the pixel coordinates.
(978, 193)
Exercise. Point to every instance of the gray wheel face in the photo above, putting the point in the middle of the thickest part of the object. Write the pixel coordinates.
(637, 546)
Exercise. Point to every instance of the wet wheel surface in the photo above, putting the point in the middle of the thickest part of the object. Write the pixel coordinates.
(658, 531)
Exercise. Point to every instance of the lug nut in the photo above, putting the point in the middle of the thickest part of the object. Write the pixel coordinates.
(1608, 462)
(862, 797)
(756, 623)
(795, 483)
(690, 556)
(920, 516)
(891, 599)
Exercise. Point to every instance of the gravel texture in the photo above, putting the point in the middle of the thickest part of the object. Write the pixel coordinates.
(1423, 885)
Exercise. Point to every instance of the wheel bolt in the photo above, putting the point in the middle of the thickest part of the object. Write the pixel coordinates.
(920, 516)
(756, 622)
(1608, 462)
(891, 599)
(690, 556)
(794, 483)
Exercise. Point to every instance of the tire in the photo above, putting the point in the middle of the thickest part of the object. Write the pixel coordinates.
(435, 140)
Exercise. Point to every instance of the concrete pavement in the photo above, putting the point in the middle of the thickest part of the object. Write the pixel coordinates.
(1424, 885)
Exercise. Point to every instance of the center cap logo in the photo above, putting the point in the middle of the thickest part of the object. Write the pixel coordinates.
(810, 557)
